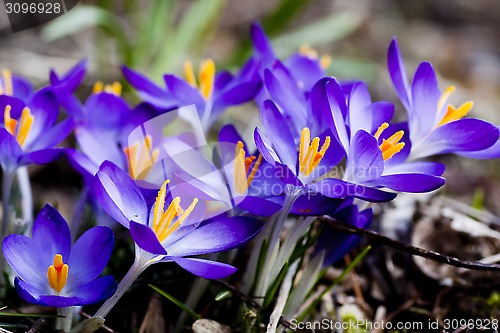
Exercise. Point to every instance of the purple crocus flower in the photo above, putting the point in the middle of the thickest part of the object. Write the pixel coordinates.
(305, 67)
(15, 86)
(171, 231)
(337, 244)
(317, 152)
(436, 127)
(371, 143)
(28, 130)
(51, 272)
(210, 93)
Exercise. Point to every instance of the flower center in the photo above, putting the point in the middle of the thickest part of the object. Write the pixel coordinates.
(452, 113)
(390, 146)
(310, 155)
(206, 76)
(6, 86)
(163, 219)
(57, 273)
(311, 53)
(243, 176)
(115, 88)
(141, 157)
(18, 128)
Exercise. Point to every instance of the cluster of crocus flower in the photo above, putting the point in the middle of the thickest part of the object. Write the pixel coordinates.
(323, 147)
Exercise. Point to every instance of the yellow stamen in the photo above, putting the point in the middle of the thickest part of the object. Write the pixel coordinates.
(7, 81)
(392, 146)
(57, 273)
(141, 158)
(189, 73)
(242, 167)
(309, 156)
(98, 87)
(308, 51)
(380, 130)
(444, 97)
(453, 114)
(325, 61)
(10, 124)
(207, 77)
(115, 88)
(162, 223)
(23, 126)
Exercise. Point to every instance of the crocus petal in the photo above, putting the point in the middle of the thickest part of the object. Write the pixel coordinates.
(307, 71)
(106, 111)
(59, 301)
(338, 110)
(149, 91)
(185, 93)
(398, 74)
(81, 163)
(10, 151)
(71, 80)
(119, 195)
(360, 116)
(145, 238)
(238, 94)
(45, 109)
(411, 182)
(262, 45)
(43, 156)
(51, 233)
(314, 204)
(429, 168)
(364, 162)
(89, 256)
(425, 99)
(259, 206)
(28, 260)
(90, 142)
(489, 153)
(279, 134)
(468, 134)
(52, 136)
(336, 188)
(216, 236)
(28, 292)
(265, 147)
(95, 291)
(382, 112)
(205, 268)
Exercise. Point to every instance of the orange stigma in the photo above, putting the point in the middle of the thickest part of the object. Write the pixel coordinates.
(141, 157)
(206, 76)
(163, 219)
(452, 113)
(242, 164)
(57, 273)
(310, 155)
(18, 128)
(390, 146)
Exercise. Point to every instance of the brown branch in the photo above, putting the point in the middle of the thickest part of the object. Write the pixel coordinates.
(250, 301)
(384, 240)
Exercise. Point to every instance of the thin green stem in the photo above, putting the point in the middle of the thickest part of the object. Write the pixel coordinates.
(26, 199)
(8, 177)
(64, 319)
(142, 261)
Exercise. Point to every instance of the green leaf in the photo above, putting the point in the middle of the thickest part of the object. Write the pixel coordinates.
(223, 295)
(81, 18)
(341, 277)
(174, 300)
(327, 30)
(478, 199)
(193, 32)
(275, 286)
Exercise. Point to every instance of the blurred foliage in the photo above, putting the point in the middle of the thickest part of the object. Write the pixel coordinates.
(156, 39)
